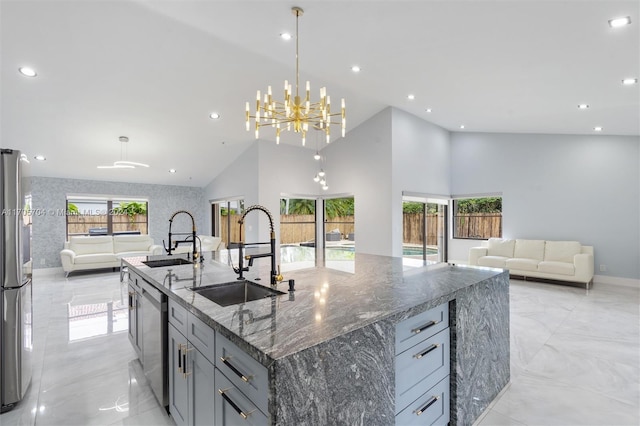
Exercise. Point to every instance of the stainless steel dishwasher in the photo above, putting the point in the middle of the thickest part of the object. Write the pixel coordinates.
(154, 341)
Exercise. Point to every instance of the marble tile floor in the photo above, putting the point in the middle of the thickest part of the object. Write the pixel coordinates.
(574, 357)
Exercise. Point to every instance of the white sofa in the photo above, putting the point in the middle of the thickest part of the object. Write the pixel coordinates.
(83, 253)
(206, 243)
(553, 260)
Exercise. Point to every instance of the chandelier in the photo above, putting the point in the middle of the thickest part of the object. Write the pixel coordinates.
(124, 164)
(294, 112)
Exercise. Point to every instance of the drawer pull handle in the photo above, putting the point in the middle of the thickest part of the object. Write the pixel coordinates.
(424, 327)
(179, 357)
(427, 405)
(226, 362)
(426, 351)
(241, 413)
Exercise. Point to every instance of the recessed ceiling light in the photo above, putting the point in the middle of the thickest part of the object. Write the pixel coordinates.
(214, 115)
(40, 157)
(428, 110)
(411, 97)
(583, 106)
(355, 68)
(285, 36)
(27, 72)
(462, 126)
(619, 22)
(172, 170)
(597, 129)
(629, 81)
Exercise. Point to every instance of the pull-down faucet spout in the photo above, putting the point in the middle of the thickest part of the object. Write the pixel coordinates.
(274, 275)
(193, 234)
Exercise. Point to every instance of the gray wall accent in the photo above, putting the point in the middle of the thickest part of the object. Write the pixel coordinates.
(559, 187)
(49, 230)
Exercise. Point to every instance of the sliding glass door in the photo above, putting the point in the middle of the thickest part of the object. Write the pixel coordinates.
(424, 239)
(297, 233)
(224, 217)
(339, 231)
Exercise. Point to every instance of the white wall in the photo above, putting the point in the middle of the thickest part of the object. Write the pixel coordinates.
(559, 187)
(360, 165)
(261, 175)
(421, 162)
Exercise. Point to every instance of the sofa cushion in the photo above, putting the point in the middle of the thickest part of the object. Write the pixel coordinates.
(91, 245)
(561, 251)
(529, 249)
(522, 264)
(493, 261)
(561, 268)
(128, 243)
(95, 258)
(500, 247)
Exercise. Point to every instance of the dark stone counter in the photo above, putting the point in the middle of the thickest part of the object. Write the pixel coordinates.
(329, 346)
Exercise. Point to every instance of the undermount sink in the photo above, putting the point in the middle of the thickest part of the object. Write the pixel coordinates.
(235, 292)
(167, 262)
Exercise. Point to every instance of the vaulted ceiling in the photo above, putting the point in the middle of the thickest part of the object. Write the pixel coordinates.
(155, 70)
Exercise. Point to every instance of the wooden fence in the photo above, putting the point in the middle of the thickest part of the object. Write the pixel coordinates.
(294, 228)
(476, 225)
(300, 228)
(79, 224)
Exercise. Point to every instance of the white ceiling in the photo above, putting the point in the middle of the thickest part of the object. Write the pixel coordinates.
(154, 70)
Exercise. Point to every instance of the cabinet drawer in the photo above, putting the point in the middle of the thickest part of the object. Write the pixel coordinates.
(247, 374)
(419, 327)
(178, 316)
(202, 337)
(421, 367)
(431, 408)
(234, 408)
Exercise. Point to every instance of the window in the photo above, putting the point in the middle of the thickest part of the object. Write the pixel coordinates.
(297, 233)
(225, 216)
(477, 218)
(102, 216)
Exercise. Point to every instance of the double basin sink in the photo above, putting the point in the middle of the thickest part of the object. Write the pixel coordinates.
(225, 294)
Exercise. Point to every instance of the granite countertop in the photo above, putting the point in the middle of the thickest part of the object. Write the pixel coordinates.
(326, 302)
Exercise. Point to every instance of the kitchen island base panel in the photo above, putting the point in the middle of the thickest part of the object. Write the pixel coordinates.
(479, 348)
(351, 379)
(345, 381)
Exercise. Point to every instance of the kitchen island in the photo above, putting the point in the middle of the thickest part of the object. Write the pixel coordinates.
(332, 348)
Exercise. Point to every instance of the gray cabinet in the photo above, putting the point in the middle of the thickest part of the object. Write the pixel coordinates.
(422, 368)
(245, 373)
(232, 407)
(178, 383)
(191, 373)
(211, 380)
(135, 314)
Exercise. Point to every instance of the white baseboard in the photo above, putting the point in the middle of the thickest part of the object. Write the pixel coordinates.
(625, 282)
(47, 272)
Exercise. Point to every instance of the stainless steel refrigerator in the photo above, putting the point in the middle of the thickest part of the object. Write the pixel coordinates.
(16, 339)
